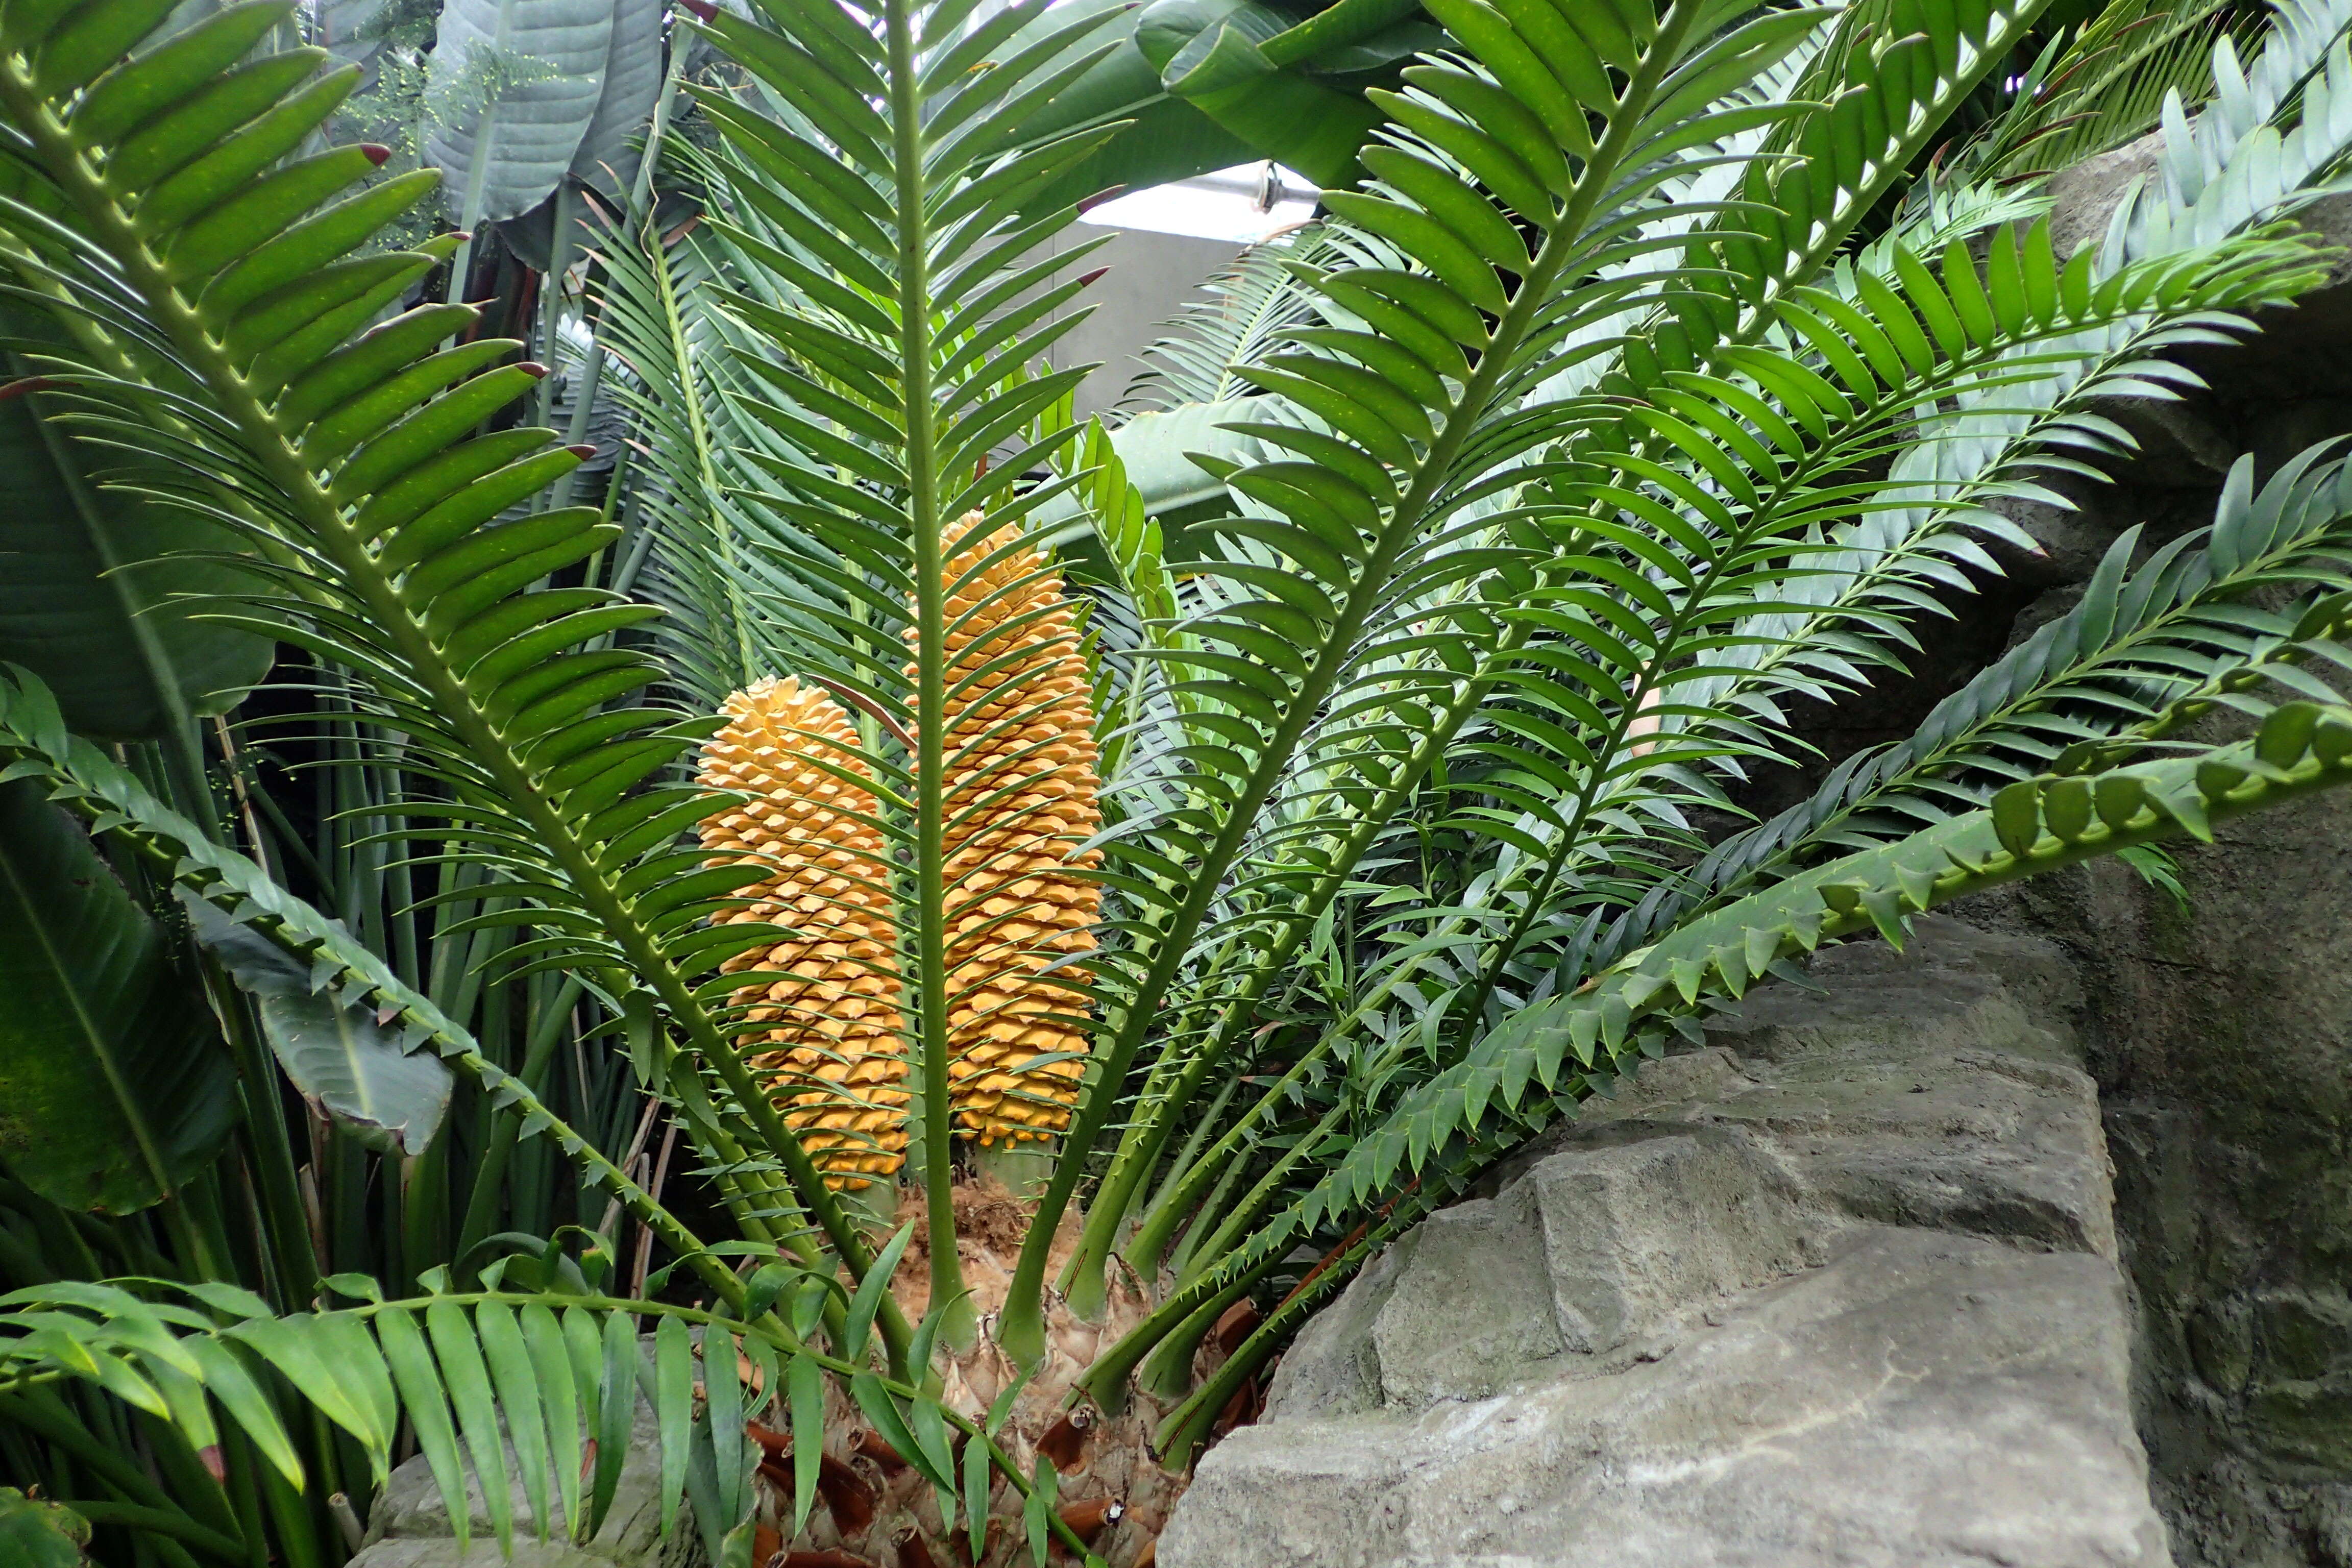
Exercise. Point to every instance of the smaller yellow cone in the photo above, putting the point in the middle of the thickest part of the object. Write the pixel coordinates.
(828, 1037)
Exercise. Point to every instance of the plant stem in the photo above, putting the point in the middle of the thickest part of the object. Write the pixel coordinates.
(481, 1206)
(927, 877)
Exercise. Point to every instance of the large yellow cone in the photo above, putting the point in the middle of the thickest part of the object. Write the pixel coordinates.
(1022, 795)
(828, 1037)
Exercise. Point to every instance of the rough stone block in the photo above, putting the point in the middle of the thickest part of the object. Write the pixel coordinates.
(1639, 1235)
(1838, 1289)
(1920, 1400)
(1433, 1340)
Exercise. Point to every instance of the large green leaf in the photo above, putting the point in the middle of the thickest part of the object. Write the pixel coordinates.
(113, 1087)
(608, 150)
(338, 1054)
(1283, 115)
(517, 86)
(1165, 140)
(93, 597)
(1206, 84)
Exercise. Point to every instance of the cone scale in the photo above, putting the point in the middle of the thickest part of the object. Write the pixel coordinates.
(826, 1032)
(1023, 795)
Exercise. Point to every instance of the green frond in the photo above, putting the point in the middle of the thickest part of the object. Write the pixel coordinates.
(2144, 650)
(1570, 1044)
(537, 1362)
(1584, 820)
(548, 1373)
(1420, 480)
(2104, 85)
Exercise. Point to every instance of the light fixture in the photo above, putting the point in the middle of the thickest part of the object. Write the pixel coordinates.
(1243, 205)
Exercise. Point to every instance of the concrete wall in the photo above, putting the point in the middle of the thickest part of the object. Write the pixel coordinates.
(1151, 278)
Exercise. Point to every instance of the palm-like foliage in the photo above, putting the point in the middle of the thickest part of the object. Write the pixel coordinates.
(1584, 441)
(2105, 84)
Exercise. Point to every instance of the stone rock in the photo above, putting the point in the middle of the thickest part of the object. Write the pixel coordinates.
(2220, 1033)
(1839, 1289)
(1920, 1399)
(427, 1551)
(2221, 1038)
(409, 1527)
(2083, 198)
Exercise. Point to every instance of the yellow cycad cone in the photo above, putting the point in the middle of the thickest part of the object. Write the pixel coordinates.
(1020, 747)
(830, 1038)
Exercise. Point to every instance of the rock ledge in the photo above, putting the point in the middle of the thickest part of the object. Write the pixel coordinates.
(1839, 1288)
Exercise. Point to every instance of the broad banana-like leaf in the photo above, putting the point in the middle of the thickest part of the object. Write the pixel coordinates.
(346, 31)
(114, 1087)
(337, 1053)
(610, 147)
(1166, 139)
(514, 87)
(93, 598)
(1206, 84)
(610, 150)
(1221, 69)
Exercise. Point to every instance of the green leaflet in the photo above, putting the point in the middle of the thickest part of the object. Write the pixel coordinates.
(1207, 84)
(36, 1535)
(115, 1087)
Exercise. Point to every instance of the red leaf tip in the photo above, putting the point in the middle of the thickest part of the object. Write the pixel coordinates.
(703, 9)
(532, 368)
(583, 452)
(376, 152)
(28, 383)
(1087, 280)
(1107, 193)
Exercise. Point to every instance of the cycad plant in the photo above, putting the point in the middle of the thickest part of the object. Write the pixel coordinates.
(1063, 967)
